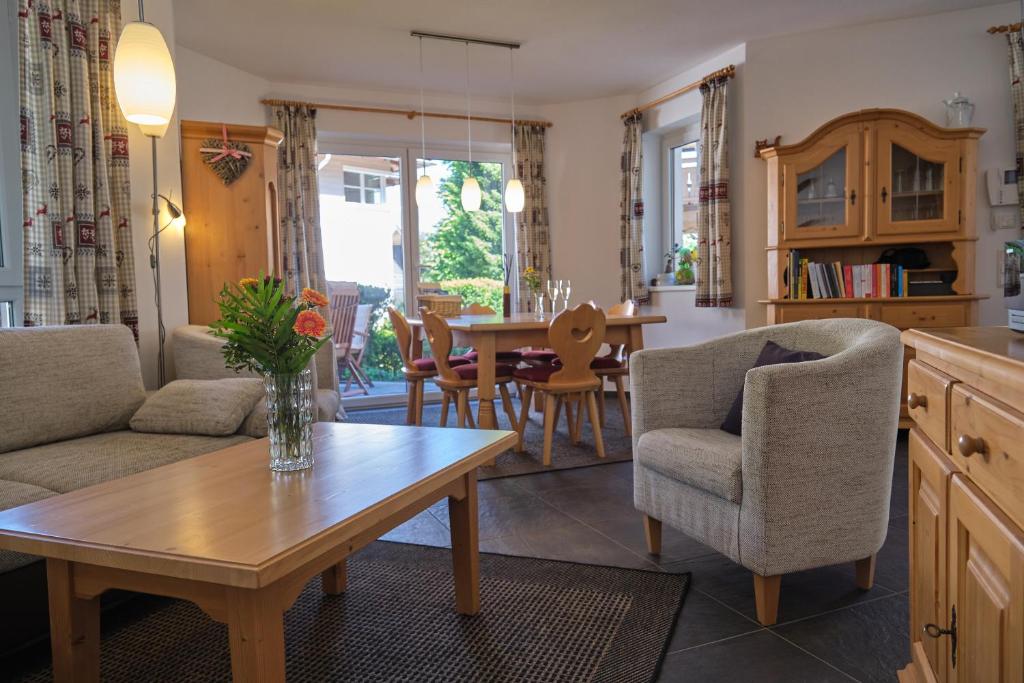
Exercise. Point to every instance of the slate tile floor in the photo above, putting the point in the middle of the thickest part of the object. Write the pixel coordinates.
(828, 630)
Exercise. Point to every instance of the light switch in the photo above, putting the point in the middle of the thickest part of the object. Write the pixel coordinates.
(1003, 218)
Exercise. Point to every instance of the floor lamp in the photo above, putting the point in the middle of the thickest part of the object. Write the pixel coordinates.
(145, 87)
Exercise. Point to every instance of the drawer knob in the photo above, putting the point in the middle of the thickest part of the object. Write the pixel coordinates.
(917, 401)
(969, 445)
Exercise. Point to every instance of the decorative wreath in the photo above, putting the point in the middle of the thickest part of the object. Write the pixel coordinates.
(226, 158)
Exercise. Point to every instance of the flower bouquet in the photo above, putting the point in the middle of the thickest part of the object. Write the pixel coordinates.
(276, 335)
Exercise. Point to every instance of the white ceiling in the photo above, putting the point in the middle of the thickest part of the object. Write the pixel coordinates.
(572, 49)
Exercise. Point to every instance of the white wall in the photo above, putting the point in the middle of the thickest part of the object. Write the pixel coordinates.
(794, 84)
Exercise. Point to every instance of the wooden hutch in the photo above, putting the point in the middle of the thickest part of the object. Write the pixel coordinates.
(864, 183)
(232, 229)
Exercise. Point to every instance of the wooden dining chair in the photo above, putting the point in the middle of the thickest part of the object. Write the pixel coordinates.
(613, 365)
(344, 299)
(575, 335)
(501, 356)
(457, 381)
(415, 370)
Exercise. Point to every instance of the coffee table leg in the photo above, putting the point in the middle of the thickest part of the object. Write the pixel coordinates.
(256, 632)
(335, 579)
(74, 627)
(462, 515)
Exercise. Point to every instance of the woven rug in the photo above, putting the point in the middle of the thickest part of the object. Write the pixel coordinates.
(540, 621)
(564, 455)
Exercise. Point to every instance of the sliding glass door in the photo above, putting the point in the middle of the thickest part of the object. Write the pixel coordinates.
(375, 235)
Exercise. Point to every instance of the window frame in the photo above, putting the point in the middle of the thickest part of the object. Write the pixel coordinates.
(409, 153)
(677, 138)
(11, 252)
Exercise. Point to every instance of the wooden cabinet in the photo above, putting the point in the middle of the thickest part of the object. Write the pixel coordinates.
(862, 184)
(232, 229)
(966, 506)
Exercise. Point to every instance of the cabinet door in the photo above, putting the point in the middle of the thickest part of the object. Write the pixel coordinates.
(822, 188)
(930, 471)
(918, 182)
(986, 588)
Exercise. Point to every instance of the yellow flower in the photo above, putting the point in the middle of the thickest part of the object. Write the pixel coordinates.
(248, 282)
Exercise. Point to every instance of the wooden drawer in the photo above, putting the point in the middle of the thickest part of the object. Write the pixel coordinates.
(928, 401)
(905, 316)
(791, 313)
(987, 442)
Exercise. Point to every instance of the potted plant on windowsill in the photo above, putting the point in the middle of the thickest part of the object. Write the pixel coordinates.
(276, 335)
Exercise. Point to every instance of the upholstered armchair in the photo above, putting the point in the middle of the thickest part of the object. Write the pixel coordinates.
(808, 482)
(197, 355)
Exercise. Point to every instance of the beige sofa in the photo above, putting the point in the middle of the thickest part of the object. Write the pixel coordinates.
(197, 355)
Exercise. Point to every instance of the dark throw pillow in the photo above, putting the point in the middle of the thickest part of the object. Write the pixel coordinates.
(771, 354)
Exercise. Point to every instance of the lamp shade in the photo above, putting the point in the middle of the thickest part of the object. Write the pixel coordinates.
(514, 196)
(470, 194)
(144, 75)
(424, 190)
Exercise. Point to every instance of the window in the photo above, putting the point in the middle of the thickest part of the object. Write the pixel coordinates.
(684, 182)
(366, 188)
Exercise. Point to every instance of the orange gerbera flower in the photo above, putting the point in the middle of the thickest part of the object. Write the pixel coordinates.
(310, 324)
(313, 297)
(248, 282)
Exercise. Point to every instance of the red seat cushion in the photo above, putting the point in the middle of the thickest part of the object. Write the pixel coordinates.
(427, 364)
(540, 356)
(605, 363)
(539, 373)
(470, 371)
(507, 356)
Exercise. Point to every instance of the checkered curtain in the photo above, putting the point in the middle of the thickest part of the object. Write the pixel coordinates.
(1015, 41)
(302, 253)
(631, 205)
(74, 161)
(533, 246)
(714, 227)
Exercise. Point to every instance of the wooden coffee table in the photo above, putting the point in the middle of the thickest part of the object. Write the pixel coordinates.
(223, 531)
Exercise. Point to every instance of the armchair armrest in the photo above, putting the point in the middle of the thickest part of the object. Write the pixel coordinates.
(673, 388)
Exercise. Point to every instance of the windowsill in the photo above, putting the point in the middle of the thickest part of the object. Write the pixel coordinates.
(672, 288)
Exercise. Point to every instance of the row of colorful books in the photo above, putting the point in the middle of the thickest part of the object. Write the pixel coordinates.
(809, 280)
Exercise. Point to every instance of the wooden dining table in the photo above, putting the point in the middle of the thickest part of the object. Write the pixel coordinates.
(489, 334)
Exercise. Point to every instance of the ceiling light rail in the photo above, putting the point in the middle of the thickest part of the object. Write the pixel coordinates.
(407, 113)
(466, 39)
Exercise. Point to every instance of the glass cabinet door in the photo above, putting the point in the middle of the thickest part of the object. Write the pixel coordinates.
(917, 182)
(821, 189)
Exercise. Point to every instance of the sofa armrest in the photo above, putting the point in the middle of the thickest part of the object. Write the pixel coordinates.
(818, 444)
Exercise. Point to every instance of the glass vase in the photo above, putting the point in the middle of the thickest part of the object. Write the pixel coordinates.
(539, 307)
(290, 420)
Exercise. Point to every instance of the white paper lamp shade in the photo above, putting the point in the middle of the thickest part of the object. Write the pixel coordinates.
(144, 75)
(424, 190)
(470, 194)
(514, 196)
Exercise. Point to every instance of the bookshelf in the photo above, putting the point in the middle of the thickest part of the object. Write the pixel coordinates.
(859, 186)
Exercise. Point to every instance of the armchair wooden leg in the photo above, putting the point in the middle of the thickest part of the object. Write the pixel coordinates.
(866, 573)
(766, 597)
(595, 423)
(549, 426)
(446, 399)
(652, 532)
(620, 389)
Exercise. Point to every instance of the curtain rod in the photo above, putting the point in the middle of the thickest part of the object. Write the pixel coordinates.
(1005, 28)
(407, 113)
(728, 72)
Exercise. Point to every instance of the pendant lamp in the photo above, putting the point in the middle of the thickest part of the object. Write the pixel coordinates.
(470, 187)
(514, 196)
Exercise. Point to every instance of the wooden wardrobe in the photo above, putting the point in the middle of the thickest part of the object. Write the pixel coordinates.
(232, 229)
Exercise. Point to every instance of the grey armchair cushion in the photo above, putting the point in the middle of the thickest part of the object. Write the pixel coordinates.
(66, 381)
(213, 407)
(708, 459)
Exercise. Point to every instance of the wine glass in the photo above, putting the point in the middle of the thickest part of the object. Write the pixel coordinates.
(550, 288)
(565, 292)
(555, 292)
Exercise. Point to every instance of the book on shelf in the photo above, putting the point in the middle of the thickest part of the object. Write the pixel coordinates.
(836, 280)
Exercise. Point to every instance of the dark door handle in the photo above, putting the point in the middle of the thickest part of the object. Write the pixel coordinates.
(885, 194)
(853, 197)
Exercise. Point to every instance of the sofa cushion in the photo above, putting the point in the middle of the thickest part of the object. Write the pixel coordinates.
(214, 407)
(708, 459)
(63, 382)
(69, 465)
(13, 494)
